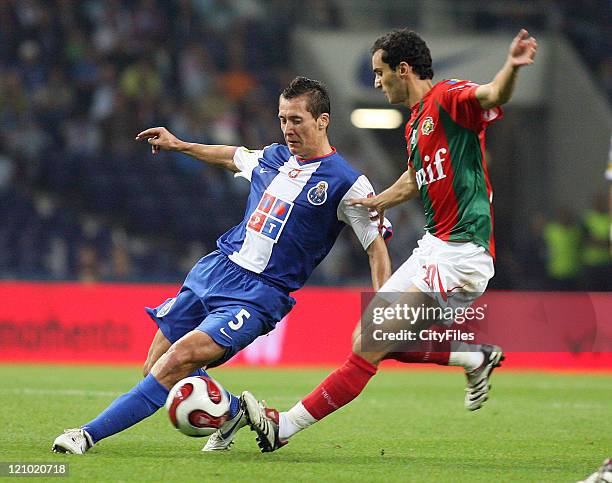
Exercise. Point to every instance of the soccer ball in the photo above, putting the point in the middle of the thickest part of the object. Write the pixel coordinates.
(198, 406)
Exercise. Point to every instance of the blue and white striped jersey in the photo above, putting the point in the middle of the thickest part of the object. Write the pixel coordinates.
(295, 211)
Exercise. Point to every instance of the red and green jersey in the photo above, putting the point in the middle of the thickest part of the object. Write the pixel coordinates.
(445, 139)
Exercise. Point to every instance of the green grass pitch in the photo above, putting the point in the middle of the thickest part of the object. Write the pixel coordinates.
(406, 426)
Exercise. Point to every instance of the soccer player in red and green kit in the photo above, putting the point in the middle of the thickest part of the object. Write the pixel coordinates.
(453, 262)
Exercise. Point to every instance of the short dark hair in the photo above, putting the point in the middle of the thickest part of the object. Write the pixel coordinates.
(407, 46)
(318, 98)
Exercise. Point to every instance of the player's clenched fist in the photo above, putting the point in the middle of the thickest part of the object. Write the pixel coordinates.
(160, 138)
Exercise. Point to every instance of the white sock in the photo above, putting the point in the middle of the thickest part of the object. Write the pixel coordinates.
(293, 421)
(469, 360)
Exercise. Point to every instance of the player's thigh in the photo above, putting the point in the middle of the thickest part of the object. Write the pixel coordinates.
(190, 352)
(382, 320)
(159, 345)
(401, 280)
(234, 327)
(456, 274)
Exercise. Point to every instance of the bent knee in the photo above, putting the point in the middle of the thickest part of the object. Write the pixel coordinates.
(372, 357)
(198, 348)
(178, 355)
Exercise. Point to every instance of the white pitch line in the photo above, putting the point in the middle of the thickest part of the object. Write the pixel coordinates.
(26, 391)
(60, 392)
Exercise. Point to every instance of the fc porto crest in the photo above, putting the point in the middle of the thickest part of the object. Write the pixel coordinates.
(427, 126)
(317, 195)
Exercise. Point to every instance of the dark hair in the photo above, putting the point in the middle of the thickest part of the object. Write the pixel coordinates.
(318, 98)
(405, 45)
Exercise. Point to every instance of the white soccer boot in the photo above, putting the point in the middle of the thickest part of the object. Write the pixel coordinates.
(73, 441)
(223, 438)
(477, 390)
(264, 421)
(602, 475)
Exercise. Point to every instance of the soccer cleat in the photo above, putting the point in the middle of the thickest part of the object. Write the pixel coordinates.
(73, 441)
(602, 475)
(477, 390)
(223, 438)
(264, 421)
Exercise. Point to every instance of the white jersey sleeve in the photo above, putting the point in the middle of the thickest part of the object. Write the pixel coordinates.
(246, 161)
(358, 217)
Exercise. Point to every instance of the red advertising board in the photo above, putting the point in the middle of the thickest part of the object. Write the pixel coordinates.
(106, 323)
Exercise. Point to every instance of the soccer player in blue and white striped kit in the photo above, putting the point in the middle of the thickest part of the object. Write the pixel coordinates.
(295, 211)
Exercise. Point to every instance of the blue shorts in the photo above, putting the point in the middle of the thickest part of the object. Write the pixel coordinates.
(227, 302)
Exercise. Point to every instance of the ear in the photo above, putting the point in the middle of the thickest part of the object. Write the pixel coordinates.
(404, 69)
(323, 121)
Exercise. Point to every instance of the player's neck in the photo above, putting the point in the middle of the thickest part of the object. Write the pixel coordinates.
(320, 151)
(416, 91)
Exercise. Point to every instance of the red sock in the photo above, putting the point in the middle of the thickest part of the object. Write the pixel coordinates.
(440, 358)
(435, 352)
(340, 387)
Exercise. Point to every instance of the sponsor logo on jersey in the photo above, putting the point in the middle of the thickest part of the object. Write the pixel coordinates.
(294, 173)
(281, 209)
(317, 195)
(270, 216)
(256, 221)
(267, 200)
(431, 171)
(427, 126)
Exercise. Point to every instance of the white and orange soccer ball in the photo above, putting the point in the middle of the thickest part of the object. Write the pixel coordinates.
(198, 406)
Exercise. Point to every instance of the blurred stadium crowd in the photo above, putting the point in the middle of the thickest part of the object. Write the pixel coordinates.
(79, 199)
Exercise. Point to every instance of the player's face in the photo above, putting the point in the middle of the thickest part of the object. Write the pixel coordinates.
(303, 133)
(388, 80)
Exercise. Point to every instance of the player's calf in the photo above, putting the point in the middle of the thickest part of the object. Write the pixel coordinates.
(159, 346)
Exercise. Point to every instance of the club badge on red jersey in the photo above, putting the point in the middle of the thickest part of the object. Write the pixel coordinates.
(427, 126)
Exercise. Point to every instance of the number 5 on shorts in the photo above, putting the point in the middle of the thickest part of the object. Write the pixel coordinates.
(240, 316)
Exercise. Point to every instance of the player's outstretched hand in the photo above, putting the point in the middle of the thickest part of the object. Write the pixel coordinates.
(523, 49)
(160, 138)
(374, 206)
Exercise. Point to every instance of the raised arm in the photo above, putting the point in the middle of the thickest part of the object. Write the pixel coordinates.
(217, 155)
(497, 92)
